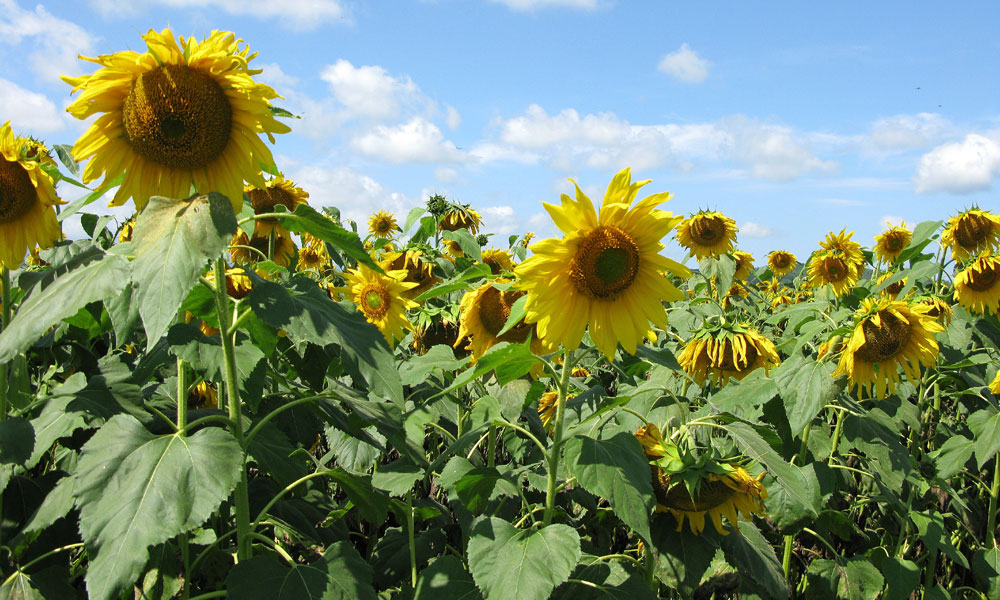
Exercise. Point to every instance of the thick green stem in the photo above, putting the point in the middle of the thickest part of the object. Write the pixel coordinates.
(550, 489)
(991, 515)
(409, 539)
(836, 436)
(4, 320)
(182, 539)
(786, 560)
(244, 550)
(491, 447)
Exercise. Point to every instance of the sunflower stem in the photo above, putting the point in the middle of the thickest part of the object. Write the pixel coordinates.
(991, 518)
(4, 321)
(410, 540)
(244, 550)
(181, 396)
(836, 436)
(550, 489)
(270, 246)
(491, 446)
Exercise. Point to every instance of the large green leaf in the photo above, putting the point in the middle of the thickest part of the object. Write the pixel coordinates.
(843, 579)
(17, 441)
(474, 486)
(92, 280)
(806, 386)
(518, 563)
(205, 354)
(886, 455)
(341, 574)
(615, 469)
(305, 219)
(135, 489)
(307, 314)
(985, 427)
(787, 475)
(173, 240)
(901, 576)
(753, 557)
(510, 361)
(682, 557)
(446, 579)
(986, 568)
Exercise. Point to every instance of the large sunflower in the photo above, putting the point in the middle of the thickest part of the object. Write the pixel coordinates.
(461, 216)
(891, 242)
(888, 334)
(606, 271)
(177, 115)
(707, 233)
(27, 196)
(972, 232)
(781, 262)
(841, 242)
(721, 351)
(417, 271)
(977, 287)
(382, 299)
(264, 198)
(834, 268)
(484, 312)
(382, 224)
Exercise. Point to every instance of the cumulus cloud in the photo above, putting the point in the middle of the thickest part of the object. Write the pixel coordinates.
(453, 119)
(416, 141)
(369, 91)
(356, 195)
(685, 64)
(275, 77)
(446, 175)
(29, 112)
(52, 43)
(960, 167)
(755, 230)
(292, 14)
(909, 132)
(533, 5)
(774, 152)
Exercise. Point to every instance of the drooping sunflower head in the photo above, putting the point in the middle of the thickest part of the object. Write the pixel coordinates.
(499, 261)
(744, 265)
(977, 287)
(548, 404)
(484, 312)
(737, 291)
(417, 270)
(652, 442)
(460, 216)
(203, 396)
(437, 332)
(605, 272)
(313, 254)
(382, 299)
(888, 334)
(730, 493)
(182, 113)
(891, 242)
(972, 232)
(27, 195)
(892, 290)
(772, 286)
(721, 351)
(382, 224)
(835, 268)
(248, 250)
(938, 308)
(707, 233)
(265, 198)
(781, 262)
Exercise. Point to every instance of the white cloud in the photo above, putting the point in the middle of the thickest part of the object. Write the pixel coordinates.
(533, 5)
(369, 91)
(755, 230)
(417, 141)
(453, 119)
(959, 167)
(446, 175)
(909, 132)
(275, 77)
(358, 196)
(29, 112)
(685, 64)
(55, 42)
(774, 152)
(292, 14)
(501, 220)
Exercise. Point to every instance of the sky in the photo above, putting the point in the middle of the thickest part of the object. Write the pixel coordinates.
(795, 119)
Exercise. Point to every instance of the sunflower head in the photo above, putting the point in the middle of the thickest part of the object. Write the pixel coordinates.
(248, 250)
(781, 262)
(526, 240)
(972, 232)
(382, 224)
(265, 198)
(183, 113)
(652, 442)
(437, 332)
(418, 271)
(977, 287)
(382, 299)
(888, 334)
(313, 254)
(892, 290)
(707, 233)
(891, 242)
(454, 249)
(938, 308)
(125, 235)
(744, 265)
(460, 216)
(835, 268)
(27, 195)
(725, 350)
(724, 490)
(203, 396)
(484, 312)
(499, 261)
(548, 404)
(842, 242)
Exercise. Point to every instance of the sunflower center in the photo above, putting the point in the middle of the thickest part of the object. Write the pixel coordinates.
(981, 281)
(836, 269)
(494, 310)
(893, 243)
(710, 494)
(178, 117)
(780, 261)
(606, 263)
(885, 341)
(708, 231)
(17, 193)
(375, 301)
(972, 230)
(731, 362)
(383, 226)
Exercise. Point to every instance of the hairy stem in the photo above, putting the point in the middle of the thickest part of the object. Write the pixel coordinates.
(550, 489)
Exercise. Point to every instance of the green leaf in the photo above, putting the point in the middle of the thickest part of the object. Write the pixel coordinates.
(305, 219)
(951, 457)
(415, 213)
(787, 475)
(467, 241)
(985, 426)
(510, 361)
(77, 205)
(806, 386)
(68, 408)
(307, 314)
(683, 557)
(63, 297)
(517, 563)
(124, 314)
(986, 568)
(886, 456)
(205, 354)
(341, 574)
(438, 360)
(397, 477)
(135, 489)
(517, 312)
(615, 469)
(446, 579)
(721, 267)
(371, 503)
(738, 396)
(787, 511)
(606, 580)
(17, 440)
(474, 486)
(753, 556)
(273, 453)
(460, 282)
(173, 240)
(850, 579)
(19, 586)
(901, 576)
(935, 534)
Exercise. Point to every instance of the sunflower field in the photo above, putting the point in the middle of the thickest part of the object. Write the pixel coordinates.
(236, 395)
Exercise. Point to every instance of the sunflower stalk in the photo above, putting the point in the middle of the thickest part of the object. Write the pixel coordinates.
(991, 515)
(550, 488)
(241, 493)
(4, 320)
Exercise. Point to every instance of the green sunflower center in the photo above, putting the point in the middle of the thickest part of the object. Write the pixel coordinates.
(982, 281)
(835, 269)
(178, 117)
(893, 243)
(375, 300)
(780, 261)
(17, 193)
(606, 263)
(885, 341)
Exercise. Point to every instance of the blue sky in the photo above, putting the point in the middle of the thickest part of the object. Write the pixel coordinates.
(793, 118)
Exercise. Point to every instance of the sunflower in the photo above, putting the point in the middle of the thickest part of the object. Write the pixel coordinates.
(27, 196)
(454, 249)
(707, 233)
(313, 254)
(972, 232)
(716, 494)
(417, 271)
(606, 271)
(238, 285)
(125, 235)
(264, 198)
(652, 442)
(177, 115)
(772, 286)
(484, 312)
(891, 242)
(888, 334)
(781, 262)
(938, 308)
(437, 332)
(725, 350)
(834, 268)
(976, 287)
(782, 300)
(526, 240)
(892, 290)
(499, 261)
(249, 250)
(461, 216)
(382, 299)
(995, 384)
(202, 396)
(851, 250)
(736, 292)
(744, 265)
(382, 224)
(547, 406)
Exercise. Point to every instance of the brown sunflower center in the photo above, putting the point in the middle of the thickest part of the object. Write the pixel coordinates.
(383, 226)
(375, 300)
(710, 494)
(835, 269)
(885, 341)
(981, 281)
(729, 360)
(494, 310)
(971, 230)
(780, 261)
(178, 117)
(438, 332)
(893, 243)
(708, 231)
(17, 193)
(264, 200)
(606, 263)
